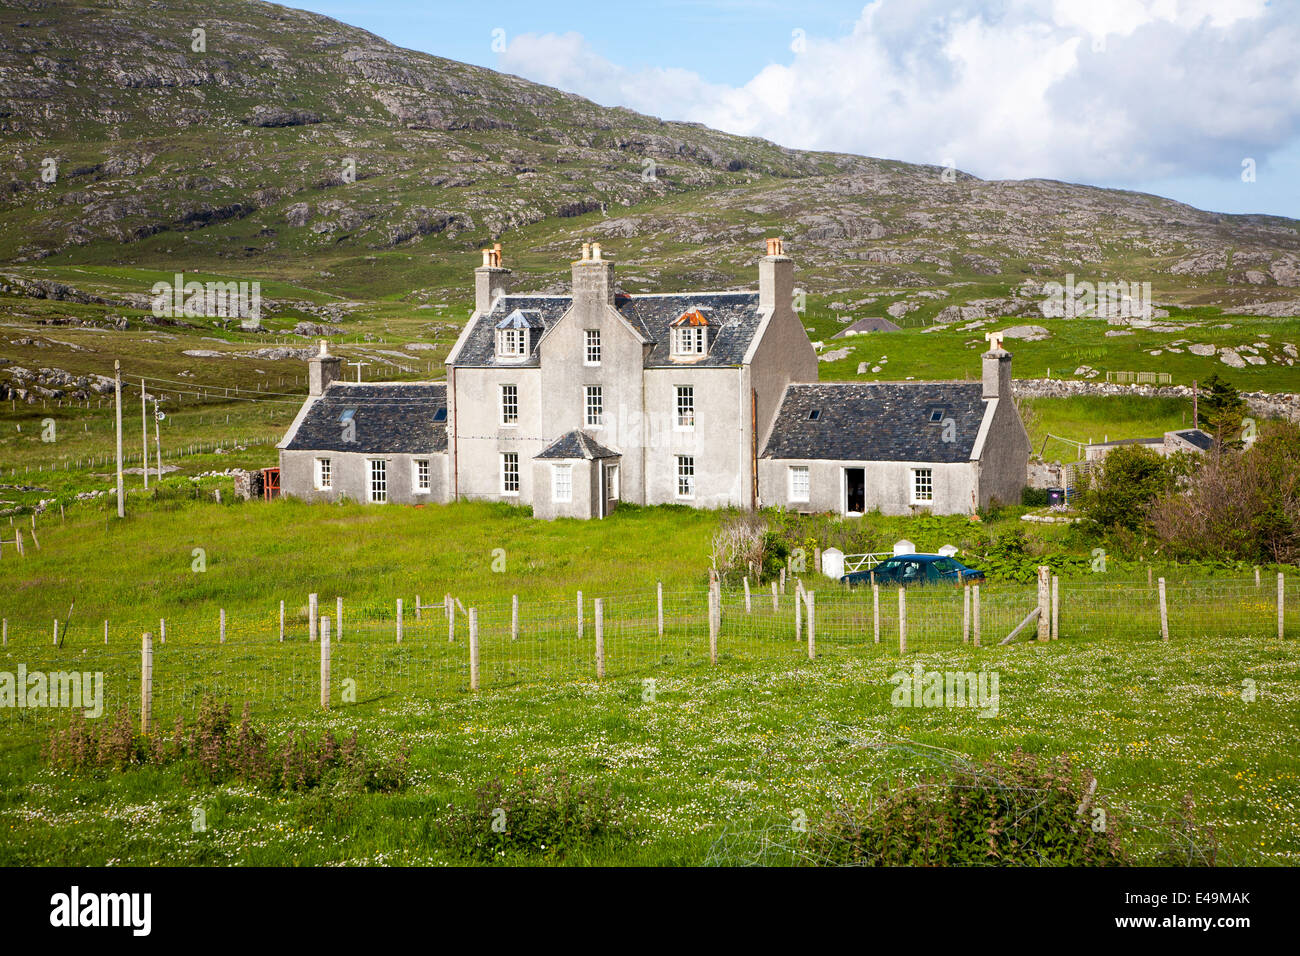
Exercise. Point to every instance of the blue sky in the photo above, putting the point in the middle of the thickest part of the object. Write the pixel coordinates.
(1183, 98)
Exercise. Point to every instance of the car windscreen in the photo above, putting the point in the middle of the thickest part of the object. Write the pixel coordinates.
(945, 565)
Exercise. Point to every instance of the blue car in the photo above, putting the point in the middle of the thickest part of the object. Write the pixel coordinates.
(918, 569)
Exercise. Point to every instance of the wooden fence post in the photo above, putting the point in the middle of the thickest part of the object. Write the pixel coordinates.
(659, 591)
(338, 618)
(311, 617)
(598, 607)
(776, 599)
(472, 614)
(812, 625)
(514, 617)
(1056, 606)
(579, 615)
(798, 614)
(281, 622)
(875, 609)
(105, 631)
(965, 614)
(399, 620)
(4, 632)
(146, 683)
(713, 626)
(817, 560)
(417, 609)
(1044, 603)
(162, 630)
(222, 639)
(975, 614)
(748, 609)
(787, 562)
(1281, 603)
(56, 632)
(1257, 575)
(902, 619)
(325, 662)
(1164, 612)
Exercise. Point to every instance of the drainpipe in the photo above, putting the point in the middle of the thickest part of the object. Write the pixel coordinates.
(455, 438)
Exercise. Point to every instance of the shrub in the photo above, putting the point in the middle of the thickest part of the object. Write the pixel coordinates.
(1241, 505)
(1033, 497)
(529, 814)
(1013, 814)
(213, 750)
(1118, 494)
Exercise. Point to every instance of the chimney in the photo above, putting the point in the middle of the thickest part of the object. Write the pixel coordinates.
(775, 277)
(323, 369)
(997, 369)
(489, 280)
(593, 278)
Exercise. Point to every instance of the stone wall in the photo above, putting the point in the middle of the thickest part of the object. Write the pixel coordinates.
(1261, 404)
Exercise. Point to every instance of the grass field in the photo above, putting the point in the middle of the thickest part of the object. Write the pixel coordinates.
(726, 751)
(706, 762)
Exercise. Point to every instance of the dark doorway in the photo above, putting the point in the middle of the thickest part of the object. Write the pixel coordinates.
(855, 490)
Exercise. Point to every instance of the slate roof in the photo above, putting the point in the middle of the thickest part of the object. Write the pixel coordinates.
(733, 315)
(877, 421)
(871, 324)
(405, 418)
(1202, 440)
(576, 444)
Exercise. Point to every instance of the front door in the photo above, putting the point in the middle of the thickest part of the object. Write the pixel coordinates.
(609, 487)
(855, 491)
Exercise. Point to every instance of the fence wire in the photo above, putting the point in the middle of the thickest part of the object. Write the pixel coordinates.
(549, 641)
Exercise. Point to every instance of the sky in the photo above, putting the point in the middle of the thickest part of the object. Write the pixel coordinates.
(1197, 100)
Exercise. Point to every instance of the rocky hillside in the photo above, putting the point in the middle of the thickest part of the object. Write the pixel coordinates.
(277, 138)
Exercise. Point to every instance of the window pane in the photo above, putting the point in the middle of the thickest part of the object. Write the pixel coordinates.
(685, 476)
(562, 483)
(685, 406)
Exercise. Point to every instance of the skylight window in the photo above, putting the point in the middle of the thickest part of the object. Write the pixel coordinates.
(814, 415)
(347, 415)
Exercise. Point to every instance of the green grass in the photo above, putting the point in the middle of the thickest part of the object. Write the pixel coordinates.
(726, 750)
(708, 751)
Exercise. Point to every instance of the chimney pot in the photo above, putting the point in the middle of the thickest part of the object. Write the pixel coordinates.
(595, 251)
(487, 257)
(586, 251)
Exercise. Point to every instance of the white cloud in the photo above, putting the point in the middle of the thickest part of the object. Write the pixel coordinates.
(1096, 91)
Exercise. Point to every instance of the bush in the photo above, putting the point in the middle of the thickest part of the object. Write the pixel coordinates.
(1012, 814)
(533, 814)
(1241, 505)
(214, 750)
(1119, 493)
(1033, 497)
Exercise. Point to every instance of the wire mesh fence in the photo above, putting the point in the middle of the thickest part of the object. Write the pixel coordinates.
(274, 662)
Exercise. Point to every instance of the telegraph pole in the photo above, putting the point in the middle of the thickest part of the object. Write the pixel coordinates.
(157, 439)
(117, 389)
(144, 436)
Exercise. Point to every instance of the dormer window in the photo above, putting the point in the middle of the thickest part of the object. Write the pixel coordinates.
(690, 341)
(690, 335)
(517, 334)
(512, 343)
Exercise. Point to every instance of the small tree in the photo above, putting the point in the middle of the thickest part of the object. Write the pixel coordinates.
(1118, 495)
(1220, 409)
